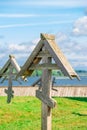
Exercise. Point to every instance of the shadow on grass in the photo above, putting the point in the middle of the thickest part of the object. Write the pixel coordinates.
(79, 114)
(83, 99)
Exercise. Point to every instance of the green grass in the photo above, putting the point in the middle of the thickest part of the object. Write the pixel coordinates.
(24, 113)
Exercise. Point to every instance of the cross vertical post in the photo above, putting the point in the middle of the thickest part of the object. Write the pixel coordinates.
(9, 91)
(46, 89)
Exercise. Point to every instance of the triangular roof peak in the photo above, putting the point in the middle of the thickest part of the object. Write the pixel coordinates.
(10, 62)
(47, 41)
(47, 36)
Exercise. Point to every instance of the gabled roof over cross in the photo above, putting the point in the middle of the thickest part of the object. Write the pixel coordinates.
(52, 50)
(11, 62)
(7, 72)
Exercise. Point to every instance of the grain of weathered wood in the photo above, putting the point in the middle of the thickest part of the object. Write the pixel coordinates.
(42, 53)
(47, 36)
(59, 58)
(46, 91)
(45, 99)
(31, 58)
(62, 91)
(4, 69)
(43, 66)
(14, 63)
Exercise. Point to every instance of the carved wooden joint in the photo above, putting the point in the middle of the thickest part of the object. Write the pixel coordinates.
(47, 100)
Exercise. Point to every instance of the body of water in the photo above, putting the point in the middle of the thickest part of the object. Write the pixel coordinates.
(59, 81)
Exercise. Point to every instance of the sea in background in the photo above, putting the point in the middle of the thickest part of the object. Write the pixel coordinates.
(59, 81)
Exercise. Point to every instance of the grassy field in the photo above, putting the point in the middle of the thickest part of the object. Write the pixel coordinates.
(24, 113)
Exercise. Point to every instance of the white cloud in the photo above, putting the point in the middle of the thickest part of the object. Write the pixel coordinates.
(60, 37)
(21, 47)
(20, 51)
(16, 47)
(21, 55)
(74, 51)
(80, 26)
(36, 41)
(80, 65)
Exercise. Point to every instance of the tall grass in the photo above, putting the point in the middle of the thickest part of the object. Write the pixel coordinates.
(24, 113)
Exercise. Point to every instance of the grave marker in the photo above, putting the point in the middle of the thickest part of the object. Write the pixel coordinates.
(41, 58)
(7, 72)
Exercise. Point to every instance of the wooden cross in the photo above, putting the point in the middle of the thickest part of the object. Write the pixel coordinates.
(45, 96)
(46, 90)
(7, 72)
(45, 50)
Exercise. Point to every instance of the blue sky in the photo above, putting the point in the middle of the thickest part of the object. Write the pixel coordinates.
(22, 21)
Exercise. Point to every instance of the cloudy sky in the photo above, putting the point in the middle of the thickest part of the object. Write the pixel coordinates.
(22, 21)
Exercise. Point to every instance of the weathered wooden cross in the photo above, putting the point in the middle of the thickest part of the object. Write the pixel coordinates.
(41, 58)
(9, 72)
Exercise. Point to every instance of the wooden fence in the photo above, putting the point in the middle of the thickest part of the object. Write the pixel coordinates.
(64, 91)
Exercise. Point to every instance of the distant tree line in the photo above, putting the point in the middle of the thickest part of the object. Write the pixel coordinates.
(54, 73)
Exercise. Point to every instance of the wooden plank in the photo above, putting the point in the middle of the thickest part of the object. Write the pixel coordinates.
(70, 91)
(31, 58)
(42, 53)
(60, 59)
(46, 110)
(7, 73)
(62, 91)
(14, 63)
(43, 66)
(4, 78)
(29, 71)
(46, 90)
(47, 36)
(16, 66)
(44, 98)
(5, 67)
